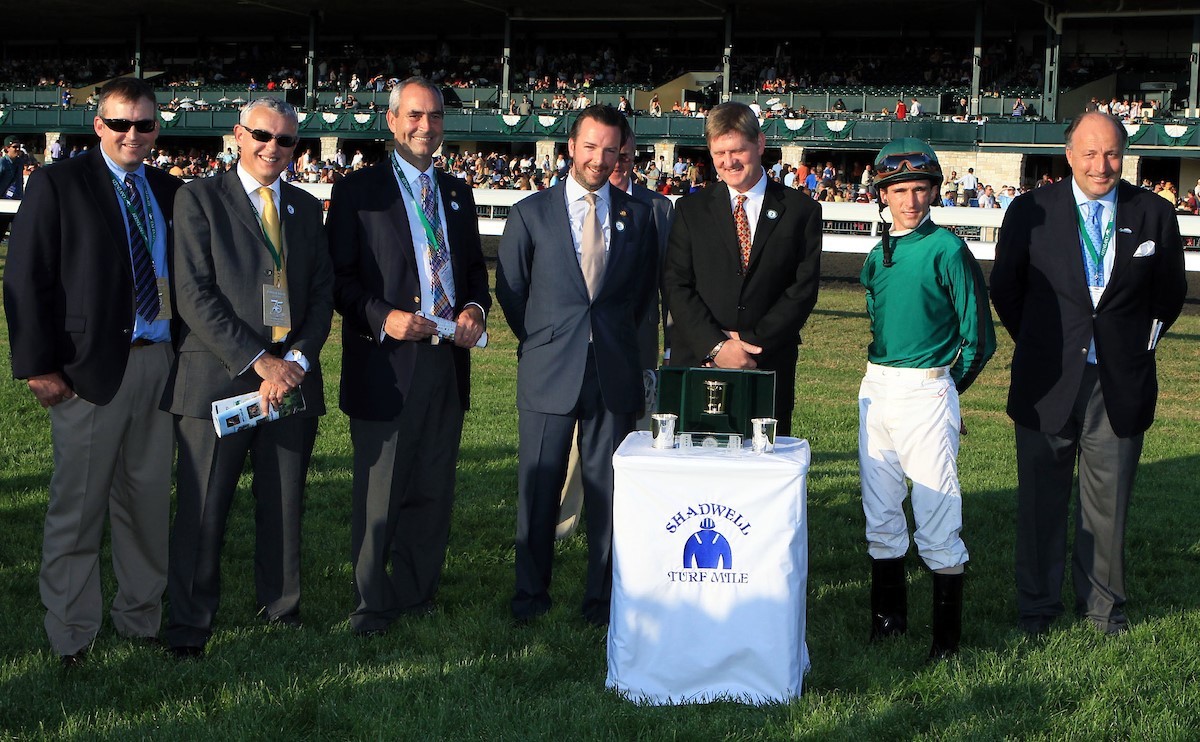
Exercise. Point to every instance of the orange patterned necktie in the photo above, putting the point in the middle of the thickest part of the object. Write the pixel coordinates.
(743, 230)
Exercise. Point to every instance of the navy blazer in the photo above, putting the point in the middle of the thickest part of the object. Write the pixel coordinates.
(68, 282)
(375, 268)
(540, 286)
(1040, 292)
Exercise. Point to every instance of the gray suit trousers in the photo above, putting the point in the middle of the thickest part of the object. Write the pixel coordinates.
(116, 458)
(1045, 469)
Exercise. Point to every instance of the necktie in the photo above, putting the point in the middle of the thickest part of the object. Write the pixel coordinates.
(440, 273)
(743, 230)
(591, 257)
(1092, 223)
(145, 290)
(270, 225)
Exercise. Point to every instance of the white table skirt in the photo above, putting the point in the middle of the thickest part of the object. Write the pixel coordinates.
(710, 569)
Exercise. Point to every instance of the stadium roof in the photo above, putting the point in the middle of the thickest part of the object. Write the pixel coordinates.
(88, 21)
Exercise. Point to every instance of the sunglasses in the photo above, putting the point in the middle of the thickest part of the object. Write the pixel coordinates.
(916, 162)
(286, 141)
(144, 126)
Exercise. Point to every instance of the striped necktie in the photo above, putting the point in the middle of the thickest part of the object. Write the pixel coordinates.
(145, 288)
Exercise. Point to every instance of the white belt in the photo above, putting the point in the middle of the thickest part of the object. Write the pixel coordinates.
(881, 372)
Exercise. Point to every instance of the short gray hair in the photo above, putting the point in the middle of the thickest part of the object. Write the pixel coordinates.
(394, 98)
(278, 105)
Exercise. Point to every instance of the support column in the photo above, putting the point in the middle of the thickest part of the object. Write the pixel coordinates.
(137, 46)
(506, 58)
(329, 148)
(1050, 74)
(726, 57)
(51, 138)
(545, 148)
(977, 58)
(792, 154)
(1131, 169)
(1193, 95)
(310, 97)
(666, 152)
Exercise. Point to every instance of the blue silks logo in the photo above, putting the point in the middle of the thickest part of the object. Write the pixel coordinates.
(707, 548)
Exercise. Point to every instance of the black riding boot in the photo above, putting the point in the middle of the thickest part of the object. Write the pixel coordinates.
(947, 615)
(889, 598)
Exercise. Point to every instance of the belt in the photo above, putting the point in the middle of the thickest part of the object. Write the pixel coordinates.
(142, 343)
(874, 369)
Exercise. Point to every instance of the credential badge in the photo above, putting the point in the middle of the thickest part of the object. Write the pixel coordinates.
(620, 226)
(454, 205)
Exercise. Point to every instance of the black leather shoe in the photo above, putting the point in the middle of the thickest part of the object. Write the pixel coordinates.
(187, 652)
(290, 620)
(1035, 625)
(369, 633)
(71, 661)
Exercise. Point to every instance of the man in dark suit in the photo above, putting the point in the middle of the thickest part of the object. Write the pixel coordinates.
(575, 278)
(255, 292)
(405, 239)
(657, 318)
(1088, 275)
(743, 263)
(85, 291)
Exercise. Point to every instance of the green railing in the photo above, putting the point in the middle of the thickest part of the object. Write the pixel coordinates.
(469, 125)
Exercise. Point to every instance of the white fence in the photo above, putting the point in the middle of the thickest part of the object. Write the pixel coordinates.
(849, 228)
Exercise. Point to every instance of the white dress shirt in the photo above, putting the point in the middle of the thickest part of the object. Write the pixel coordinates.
(1108, 210)
(577, 209)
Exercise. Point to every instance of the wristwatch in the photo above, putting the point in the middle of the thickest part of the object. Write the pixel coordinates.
(712, 354)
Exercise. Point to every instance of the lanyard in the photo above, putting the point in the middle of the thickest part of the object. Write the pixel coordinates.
(270, 245)
(147, 238)
(1105, 240)
(430, 232)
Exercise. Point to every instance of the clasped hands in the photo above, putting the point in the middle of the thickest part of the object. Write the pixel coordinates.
(279, 377)
(736, 353)
(469, 326)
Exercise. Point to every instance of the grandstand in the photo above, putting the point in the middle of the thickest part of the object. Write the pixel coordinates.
(822, 79)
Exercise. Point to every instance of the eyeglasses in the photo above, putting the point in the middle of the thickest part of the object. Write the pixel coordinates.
(143, 126)
(916, 162)
(286, 141)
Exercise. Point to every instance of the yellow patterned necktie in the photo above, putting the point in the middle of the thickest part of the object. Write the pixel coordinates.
(270, 225)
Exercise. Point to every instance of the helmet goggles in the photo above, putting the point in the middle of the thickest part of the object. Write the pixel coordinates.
(913, 162)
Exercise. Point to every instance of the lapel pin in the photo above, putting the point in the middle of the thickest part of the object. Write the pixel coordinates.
(772, 214)
(454, 204)
(453, 194)
(620, 225)
(624, 213)
(1125, 230)
(291, 209)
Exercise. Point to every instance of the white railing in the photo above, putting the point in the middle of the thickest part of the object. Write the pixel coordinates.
(850, 228)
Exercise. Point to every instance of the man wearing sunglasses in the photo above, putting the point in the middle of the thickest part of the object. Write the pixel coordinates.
(255, 288)
(931, 334)
(86, 290)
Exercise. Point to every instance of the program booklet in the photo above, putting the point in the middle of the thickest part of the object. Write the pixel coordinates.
(248, 410)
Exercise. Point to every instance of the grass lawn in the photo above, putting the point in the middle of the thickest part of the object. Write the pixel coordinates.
(468, 673)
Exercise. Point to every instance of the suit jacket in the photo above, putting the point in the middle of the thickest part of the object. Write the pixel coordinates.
(68, 284)
(376, 271)
(1040, 293)
(768, 305)
(222, 263)
(540, 286)
(662, 213)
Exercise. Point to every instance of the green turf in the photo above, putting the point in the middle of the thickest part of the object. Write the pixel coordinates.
(468, 673)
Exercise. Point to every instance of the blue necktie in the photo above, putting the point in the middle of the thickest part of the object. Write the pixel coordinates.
(1093, 213)
(145, 290)
(439, 256)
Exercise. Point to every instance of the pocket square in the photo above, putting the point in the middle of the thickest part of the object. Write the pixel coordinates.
(1145, 249)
